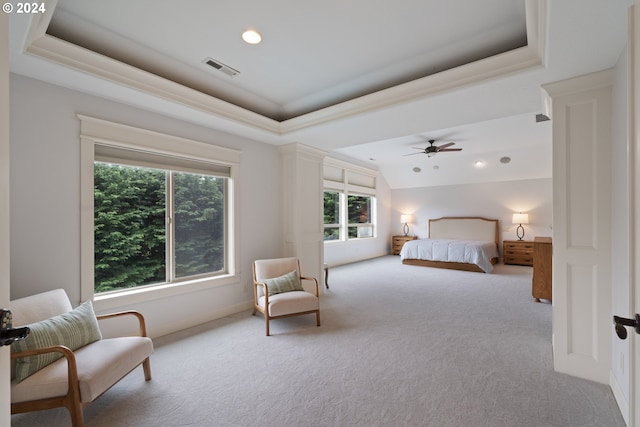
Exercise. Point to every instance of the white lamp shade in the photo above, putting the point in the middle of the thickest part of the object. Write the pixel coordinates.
(520, 218)
(405, 218)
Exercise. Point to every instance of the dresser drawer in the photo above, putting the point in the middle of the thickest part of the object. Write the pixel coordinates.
(518, 259)
(516, 246)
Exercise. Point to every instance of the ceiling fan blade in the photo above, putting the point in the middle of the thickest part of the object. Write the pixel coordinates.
(448, 144)
(411, 154)
(450, 149)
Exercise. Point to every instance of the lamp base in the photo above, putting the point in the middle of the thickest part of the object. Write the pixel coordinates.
(405, 228)
(520, 232)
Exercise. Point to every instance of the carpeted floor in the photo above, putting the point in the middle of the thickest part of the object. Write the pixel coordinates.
(398, 346)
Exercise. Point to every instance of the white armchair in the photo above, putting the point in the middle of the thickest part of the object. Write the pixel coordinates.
(82, 374)
(280, 291)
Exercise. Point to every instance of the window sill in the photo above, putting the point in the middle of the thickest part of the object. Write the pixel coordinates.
(128, 297)
(359, 239)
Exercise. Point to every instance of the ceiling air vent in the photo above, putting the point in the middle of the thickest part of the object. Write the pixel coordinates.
(231, 72)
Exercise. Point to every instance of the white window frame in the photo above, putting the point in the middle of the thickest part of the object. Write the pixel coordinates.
(343, 184)
(339, 224)
(95, 131)
(359, 226)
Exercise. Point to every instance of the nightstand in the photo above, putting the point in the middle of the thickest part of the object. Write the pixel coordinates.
(518, 252)
(397, 242)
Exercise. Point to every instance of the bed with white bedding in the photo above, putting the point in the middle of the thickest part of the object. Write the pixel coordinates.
(461, 243)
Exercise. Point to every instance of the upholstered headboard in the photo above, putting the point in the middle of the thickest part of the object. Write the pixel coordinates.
(464, 228)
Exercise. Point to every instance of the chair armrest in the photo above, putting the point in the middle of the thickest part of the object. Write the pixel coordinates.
(314, 281)
(72, 368)
(142, 325)
(266, 292)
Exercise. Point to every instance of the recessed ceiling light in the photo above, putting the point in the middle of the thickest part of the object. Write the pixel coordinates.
(436, 167)
(479, 163)
(251, 37)
(505, 159)
(417, 169)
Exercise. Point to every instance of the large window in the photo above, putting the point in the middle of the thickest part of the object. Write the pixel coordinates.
(158, 214)
(349, 202)
(155, 226)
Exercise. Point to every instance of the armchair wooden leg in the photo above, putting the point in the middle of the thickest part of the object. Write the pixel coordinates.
(146, 366)
(75, 410)
(266, 320)
(317, 318)
(73, 400)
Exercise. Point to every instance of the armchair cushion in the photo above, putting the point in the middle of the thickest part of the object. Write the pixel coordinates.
(100, 365)
(73, 329)
(290, 302)
(285, 283)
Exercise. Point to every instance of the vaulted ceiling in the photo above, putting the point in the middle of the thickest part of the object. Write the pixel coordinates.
(367, 80)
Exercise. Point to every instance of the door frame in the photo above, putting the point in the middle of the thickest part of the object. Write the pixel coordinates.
(5, 376)
(634, 205)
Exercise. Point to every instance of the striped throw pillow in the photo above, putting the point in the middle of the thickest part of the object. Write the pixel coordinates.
(285, 283)
(73, 329)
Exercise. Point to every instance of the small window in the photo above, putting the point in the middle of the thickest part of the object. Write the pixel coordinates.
(355, 216)
(359, 212)
(349, 201)
(331, 215)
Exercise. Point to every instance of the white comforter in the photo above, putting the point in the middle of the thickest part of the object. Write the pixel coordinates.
(465, 251)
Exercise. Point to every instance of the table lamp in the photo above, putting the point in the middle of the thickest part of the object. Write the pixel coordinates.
(520, 218)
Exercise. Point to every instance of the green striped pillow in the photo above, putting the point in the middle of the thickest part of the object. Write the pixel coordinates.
(285, 283)
(73, 329)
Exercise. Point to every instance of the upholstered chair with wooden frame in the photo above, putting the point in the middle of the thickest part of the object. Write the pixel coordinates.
(280, 291)
(82, 375)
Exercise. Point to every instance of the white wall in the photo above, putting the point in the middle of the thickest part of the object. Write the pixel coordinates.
(490, 200)
(45, 200)
(337, 253)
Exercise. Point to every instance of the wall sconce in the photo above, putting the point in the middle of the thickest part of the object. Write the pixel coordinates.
(520, 218)
(405, 219)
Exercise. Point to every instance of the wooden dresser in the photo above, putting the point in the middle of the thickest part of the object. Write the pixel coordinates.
(542, 273)
(518, 252)
(397, 242)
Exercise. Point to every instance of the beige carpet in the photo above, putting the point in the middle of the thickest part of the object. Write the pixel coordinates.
(398, 346)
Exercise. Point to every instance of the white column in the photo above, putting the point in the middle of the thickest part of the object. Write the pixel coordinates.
(302, 174)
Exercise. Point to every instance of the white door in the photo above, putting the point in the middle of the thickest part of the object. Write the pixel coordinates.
(634, 172)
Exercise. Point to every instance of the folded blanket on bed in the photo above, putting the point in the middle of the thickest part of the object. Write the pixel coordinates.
(464, 251)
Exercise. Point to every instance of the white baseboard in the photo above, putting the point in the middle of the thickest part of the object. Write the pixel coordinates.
(351, 260)
(621, 400)
(185, 323)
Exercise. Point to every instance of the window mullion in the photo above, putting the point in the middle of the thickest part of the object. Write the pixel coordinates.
(343, 216)
(170, 230)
